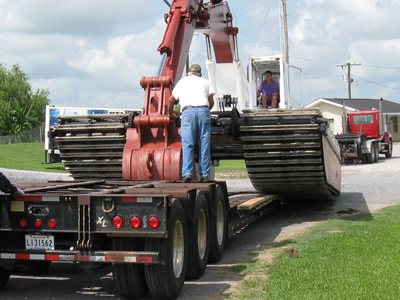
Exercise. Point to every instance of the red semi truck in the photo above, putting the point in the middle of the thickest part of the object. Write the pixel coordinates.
(366, 138)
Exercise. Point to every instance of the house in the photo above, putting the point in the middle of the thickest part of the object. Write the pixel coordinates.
(332, 109)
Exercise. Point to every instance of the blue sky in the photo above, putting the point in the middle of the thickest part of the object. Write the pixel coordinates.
(93, 53)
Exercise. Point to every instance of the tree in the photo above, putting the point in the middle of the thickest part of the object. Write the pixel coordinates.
(20, 107)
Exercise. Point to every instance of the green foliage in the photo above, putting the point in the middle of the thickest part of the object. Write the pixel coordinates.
(20, 107)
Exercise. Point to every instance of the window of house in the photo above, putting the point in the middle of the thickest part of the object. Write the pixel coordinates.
(331, 124)
(395, 125)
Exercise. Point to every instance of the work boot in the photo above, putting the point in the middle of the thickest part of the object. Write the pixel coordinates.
(187, 179)
(205, 179)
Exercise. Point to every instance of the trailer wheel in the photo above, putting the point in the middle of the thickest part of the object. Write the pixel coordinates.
(199, 238)
(218, 226)
(390, 150)
(4, 276)
(129, 278)
(33, 267)
(165, 280)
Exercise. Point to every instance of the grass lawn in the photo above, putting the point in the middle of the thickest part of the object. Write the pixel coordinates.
(231, 169)
(356, 257)
(26, 156)
(30, 156)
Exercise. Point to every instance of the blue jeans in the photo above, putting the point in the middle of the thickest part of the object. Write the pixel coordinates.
(196, 122)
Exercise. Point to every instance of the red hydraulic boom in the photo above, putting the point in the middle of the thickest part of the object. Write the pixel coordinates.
(153, 149)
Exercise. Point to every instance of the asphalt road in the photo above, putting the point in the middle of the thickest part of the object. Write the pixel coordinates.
(365, 188)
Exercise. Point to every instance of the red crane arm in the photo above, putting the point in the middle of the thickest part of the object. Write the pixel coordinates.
(153, 149)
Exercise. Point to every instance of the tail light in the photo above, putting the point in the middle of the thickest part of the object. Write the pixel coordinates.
(154, 222)
(22, 223)
(136, 222)
(118, 221)
(38, 223)
(52, 223)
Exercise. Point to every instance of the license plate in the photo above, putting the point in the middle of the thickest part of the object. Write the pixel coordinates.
(39, 242)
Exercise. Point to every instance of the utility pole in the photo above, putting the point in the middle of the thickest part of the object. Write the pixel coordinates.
(348, 65)
(344, 119)
(285, 31)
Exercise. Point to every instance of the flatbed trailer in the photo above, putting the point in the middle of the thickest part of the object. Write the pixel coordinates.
(155, 234)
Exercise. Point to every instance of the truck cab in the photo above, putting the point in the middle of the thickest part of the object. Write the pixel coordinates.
(364, 121)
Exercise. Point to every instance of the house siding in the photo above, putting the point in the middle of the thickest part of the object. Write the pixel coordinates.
(334, 113)
(392, 128)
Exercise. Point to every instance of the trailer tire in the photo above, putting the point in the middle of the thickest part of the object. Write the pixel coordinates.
(4, 276)
(199, 233)
(33, 267)
(165, 280)
(218, 225)
(390, 150)
(129, 278)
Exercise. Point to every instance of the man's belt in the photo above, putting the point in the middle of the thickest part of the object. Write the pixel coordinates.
(191, 106)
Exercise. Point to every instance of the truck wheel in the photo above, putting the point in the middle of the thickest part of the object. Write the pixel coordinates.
(371, 156)
(218, 226)
(4, 276)
(364, 158)
(165, 280)
(129, 278)
(390, 150)
(199, 238)
(376, 152)
(33, 267)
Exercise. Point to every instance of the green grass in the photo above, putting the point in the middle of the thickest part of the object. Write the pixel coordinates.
(231, 169)
(26, 156)
(357, 257)
(30, 156)
(231, 165)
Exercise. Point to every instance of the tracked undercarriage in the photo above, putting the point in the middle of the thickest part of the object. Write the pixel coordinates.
(91, 145)
(286, 151)
(290, 152)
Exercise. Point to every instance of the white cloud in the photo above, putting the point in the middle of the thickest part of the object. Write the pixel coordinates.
(123, 60)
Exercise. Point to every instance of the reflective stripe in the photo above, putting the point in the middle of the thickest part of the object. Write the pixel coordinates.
(80, 258)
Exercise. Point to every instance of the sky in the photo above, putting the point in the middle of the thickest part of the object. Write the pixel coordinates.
(94, 52)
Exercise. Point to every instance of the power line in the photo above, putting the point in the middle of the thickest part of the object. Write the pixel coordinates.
(369, 81)
(261, 29)
(254, 8)
(314, 59)
(382, 67)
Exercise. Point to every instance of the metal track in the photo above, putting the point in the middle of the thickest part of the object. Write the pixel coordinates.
(283, 151)
(91, 146)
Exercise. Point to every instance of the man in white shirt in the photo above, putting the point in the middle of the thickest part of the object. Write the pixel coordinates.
(196, 98)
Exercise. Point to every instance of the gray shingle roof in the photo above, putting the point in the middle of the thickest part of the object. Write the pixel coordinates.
(366, 104)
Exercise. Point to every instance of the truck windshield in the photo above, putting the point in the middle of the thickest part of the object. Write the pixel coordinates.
(365, 119)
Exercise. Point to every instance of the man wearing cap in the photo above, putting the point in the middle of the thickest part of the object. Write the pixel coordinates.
(196, 99)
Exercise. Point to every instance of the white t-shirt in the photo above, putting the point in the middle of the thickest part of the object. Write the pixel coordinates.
(192, 90)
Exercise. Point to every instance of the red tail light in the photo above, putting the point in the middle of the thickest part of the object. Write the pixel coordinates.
(38, 223)
(153, 221)
(22, 223)
(118, 221)
(136, 222)
(52, 223)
